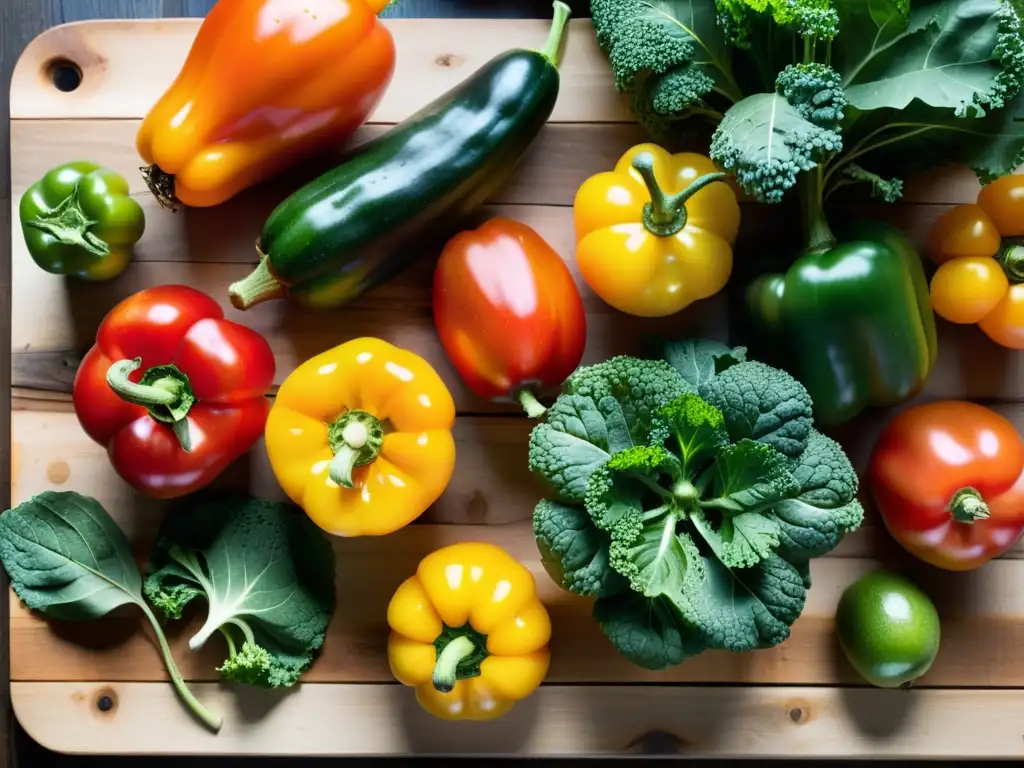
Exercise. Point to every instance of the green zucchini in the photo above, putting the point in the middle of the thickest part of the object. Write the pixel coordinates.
(360, 224)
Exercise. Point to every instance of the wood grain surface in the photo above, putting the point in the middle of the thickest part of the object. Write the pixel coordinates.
(59, 669)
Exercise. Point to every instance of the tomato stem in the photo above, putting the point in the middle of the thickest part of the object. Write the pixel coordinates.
(666, 215)
(534, 408)
(356, 438)
(1011, 259)
(967, 506)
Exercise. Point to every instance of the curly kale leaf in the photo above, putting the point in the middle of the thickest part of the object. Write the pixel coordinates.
(825, 508)
(574, 551)
(809, 18)
(762, 403)
(630, 388)
(748, 479)
(576, 437)
(966, 56)
(693, 430)
(648, 631)
(698, 360)
(767, 143)
(750, 608)
(669, 55)
(267, 573)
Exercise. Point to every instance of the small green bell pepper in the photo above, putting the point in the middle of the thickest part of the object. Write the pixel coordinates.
(855, 321)
(80, 220)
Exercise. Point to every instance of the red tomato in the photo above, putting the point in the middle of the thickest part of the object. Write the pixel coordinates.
(948, 479)
(508, 312)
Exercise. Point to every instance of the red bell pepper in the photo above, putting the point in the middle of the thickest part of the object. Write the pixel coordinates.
(173, 390)
(508, 313)
(948, 480)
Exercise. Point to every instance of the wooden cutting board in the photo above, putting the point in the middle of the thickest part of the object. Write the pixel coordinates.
(798, 699)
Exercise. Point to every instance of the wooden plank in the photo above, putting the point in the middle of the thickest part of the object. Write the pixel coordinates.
(981, 628)
(981, 611)
(433, 56)
(20, 21)
(557, 721)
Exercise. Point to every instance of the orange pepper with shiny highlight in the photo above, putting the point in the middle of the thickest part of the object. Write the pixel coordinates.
(266, 84)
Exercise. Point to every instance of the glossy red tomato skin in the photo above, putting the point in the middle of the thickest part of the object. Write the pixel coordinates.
(230, 368)
(929, 452)
(507, 310)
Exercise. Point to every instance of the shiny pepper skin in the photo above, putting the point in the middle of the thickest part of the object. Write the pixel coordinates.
(980, 279)
(508, 313)
(469, 633)
(656, 234)
(329, 448)
(266, 84)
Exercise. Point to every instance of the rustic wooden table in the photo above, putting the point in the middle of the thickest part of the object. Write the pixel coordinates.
(20, 22)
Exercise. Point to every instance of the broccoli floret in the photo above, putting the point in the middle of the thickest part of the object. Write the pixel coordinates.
(816, 91)
(574, 552)
(671, 67)
(638, 387)
(762, 403)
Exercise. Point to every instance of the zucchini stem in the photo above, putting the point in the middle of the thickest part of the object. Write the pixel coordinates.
(258, 286)
(554, 41)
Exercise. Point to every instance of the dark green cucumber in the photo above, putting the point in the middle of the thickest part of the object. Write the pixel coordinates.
(365, 221)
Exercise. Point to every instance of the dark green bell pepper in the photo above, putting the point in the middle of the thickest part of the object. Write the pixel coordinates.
(80, 220)
(854, 319)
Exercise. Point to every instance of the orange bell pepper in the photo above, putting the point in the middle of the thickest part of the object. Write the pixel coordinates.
(266, 84)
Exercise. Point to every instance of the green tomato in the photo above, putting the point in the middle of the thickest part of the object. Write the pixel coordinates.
(888, 629)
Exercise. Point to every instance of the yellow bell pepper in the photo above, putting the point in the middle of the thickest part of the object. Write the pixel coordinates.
(652, 236)
(468, 632)
(360, 437)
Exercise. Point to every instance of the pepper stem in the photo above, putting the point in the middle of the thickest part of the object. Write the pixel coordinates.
(666, 215)
(163, 390)
(68, 225)
(554, 41)
(356, 439)
(1012, 261)
(448, 661)
(534, 408)
(967, 506)
(258, 286)
(161, 184)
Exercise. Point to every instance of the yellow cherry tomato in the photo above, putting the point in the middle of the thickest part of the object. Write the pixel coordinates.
(965, 290)
(468, 632)
(656, 233)
(981, 272)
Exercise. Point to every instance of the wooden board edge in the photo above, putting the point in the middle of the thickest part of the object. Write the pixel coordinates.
(380, 719)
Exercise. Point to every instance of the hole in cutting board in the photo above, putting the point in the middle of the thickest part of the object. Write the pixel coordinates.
(65, 75)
